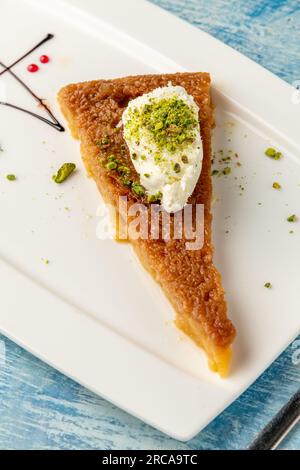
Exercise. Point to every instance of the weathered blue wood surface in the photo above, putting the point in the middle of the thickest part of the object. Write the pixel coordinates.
(42, 409)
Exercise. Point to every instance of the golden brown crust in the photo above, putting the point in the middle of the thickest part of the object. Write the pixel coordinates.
(188, 278)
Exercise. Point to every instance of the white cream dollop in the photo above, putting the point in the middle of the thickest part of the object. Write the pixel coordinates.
(171, 174)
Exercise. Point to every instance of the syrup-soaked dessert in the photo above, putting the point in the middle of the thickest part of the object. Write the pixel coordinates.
(149, 138)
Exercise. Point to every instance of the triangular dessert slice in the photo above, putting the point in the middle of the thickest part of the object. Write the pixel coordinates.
(188, 277)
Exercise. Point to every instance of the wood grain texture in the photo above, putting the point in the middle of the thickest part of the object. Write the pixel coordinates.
(42, 409)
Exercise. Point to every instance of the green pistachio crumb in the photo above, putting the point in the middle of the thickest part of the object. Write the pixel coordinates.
(184, 159)
(291, 231)
(270, 152)
(273, 153)
(276, 185)
(104, 141)
(126, 181)
(111, 166)
(134, 156)
(215, 172)
(268, 285)
(151, 198)
(159, 125)
(171, 147)
(64, 172)
(124, 170)
(138, 189)
(154, 197)
(143, 157)
(146, 175)
(226, 170)
(11, 177)
(292, 218)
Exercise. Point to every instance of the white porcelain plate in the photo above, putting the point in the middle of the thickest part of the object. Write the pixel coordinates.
(93, 312)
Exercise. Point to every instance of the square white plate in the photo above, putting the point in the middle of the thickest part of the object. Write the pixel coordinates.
(93, 312)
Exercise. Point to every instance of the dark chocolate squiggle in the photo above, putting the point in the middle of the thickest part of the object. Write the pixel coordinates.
(52, 122)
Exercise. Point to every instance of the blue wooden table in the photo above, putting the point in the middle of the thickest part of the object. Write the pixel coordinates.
(42, 409)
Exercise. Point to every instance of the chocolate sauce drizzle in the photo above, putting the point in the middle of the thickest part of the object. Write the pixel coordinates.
(52, 122)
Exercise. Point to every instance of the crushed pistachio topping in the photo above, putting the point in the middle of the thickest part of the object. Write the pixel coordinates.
(126, 181)
(268, 285)
(162, 132)
(123, 170)
(104, 141)
(292, 218)
(273, 153)
(64, 172)
(154, 197)
(169, 121)
(276, 185)
(11, 177)
(112, 158)
(215, 172)
(111, 165)
(138, 189)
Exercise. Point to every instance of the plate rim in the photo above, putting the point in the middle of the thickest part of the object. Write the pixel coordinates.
(177, 420)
